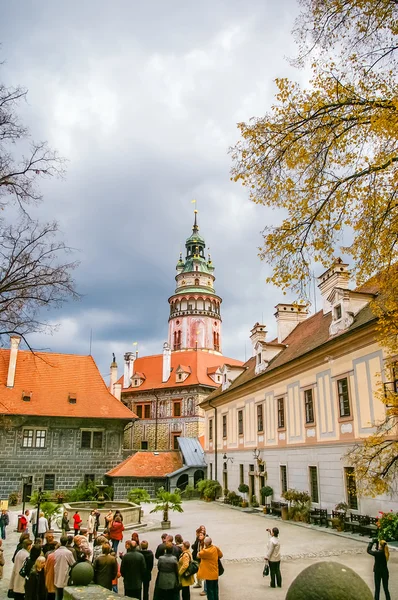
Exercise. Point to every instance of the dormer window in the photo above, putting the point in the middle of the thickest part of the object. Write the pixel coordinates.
(135, 381)
(179, 376)
(72, 399)
(26, 396)
(337, 312)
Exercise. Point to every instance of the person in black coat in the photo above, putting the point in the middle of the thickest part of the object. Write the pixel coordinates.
(380, 569)
(35, 586)
(149, 558)
(133, 571)
(167, 581)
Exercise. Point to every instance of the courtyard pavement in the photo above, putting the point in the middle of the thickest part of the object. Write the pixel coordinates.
(242, 538)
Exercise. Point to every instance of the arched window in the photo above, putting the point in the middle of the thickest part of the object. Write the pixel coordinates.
(196, 281)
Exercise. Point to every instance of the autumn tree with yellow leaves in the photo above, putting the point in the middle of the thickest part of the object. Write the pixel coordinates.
(327, 157)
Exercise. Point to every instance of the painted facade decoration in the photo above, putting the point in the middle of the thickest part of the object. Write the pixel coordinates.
(303, 400)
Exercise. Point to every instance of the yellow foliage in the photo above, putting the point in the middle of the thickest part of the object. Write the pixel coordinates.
(327, 156)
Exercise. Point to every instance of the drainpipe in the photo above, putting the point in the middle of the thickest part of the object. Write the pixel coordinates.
(215, 439)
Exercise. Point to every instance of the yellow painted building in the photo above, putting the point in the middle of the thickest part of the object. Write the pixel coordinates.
(291, 414)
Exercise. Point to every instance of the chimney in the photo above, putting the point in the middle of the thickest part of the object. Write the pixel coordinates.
(113, 369)
(288, 316)
(258, 334)
(12, 365)
(129, 359)
(117, 391)
(337, 276)
(166, 362)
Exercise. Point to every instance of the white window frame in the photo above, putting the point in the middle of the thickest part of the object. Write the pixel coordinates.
(35, 438)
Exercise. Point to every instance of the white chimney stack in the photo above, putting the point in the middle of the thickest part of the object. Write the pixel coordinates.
(337, 276)
(117, 391)
(129, 359)
(166, 362)
(12, 365)
(113, 369)
(257, 334)
(288, 316)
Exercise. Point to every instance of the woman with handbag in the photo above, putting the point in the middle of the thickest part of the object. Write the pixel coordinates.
(17, 582)
(186, 578)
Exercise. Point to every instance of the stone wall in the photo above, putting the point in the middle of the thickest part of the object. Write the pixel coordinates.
(122, 485)
(90, 592)
(62, 455)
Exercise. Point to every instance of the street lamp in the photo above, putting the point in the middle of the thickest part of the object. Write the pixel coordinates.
(227, 458)
(25, 480)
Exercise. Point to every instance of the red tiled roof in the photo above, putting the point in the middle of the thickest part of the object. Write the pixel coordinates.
(184, 368)
(148, 464)
(51, 379)
(197, 361)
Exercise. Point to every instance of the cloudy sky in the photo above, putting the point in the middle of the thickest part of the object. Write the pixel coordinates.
(143, 98)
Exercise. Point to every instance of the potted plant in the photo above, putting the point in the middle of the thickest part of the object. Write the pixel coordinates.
(226, 493)
(254, 502)
(13, 498)
(243, 489)
(388, 526)
(166, 501)
(49, 509)
(266, 491)
(299, 505)
(338, 522)
(60, 496)
(209, 489)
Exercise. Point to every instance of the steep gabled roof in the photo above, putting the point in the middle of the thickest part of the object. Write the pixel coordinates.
(50, 379)
(306, 337)
(148, 464)
(194, 362)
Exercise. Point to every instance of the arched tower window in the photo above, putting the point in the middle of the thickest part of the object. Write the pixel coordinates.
(196, 281)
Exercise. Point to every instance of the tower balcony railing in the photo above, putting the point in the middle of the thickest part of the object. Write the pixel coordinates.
(195, 311)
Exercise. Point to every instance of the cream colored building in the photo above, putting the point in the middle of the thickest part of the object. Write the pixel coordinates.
(288, 417)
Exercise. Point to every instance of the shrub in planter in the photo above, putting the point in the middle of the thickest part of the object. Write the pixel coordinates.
(234, 498)
(299, 504)
(189, 492)
(338, 523)
(226, 493)
(61, 496)
(209, 489)
(254, 502)
(266, 491)
(13, 498)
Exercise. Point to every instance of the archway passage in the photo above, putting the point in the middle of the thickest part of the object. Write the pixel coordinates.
(182, 481)
(198, 476)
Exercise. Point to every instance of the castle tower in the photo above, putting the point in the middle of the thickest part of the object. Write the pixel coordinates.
(195, 319)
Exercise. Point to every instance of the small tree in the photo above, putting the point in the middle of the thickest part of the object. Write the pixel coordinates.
(209, 489)
(49, 509)
(243, 489)
(138, 495)
(266, 491)
(166, 501)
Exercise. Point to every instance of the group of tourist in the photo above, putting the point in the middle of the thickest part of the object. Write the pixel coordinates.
(43, 566)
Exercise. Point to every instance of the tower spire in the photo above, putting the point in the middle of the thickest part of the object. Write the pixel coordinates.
(195, 224)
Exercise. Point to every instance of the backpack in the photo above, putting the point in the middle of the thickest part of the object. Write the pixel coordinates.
(193, 568)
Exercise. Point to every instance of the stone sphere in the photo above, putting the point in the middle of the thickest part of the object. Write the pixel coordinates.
(82, 573)
(328, 581)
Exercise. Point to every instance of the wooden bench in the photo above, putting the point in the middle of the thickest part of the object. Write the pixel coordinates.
(319, 515)
(369, 527)
(276, 507)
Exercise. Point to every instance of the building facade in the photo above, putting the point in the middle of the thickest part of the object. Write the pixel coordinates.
(303, 401)
(165, 390)
(59, 425)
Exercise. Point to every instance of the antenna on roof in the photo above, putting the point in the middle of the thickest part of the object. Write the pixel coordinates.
(91, 340)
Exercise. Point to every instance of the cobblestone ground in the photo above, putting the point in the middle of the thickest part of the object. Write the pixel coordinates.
(242, 538)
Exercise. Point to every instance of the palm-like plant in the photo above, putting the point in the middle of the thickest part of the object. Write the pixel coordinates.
(166, 501)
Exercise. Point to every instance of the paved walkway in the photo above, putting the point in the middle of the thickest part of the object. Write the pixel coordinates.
(242, 538)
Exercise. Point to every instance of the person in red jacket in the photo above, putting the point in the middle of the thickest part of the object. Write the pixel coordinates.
(77, 521)
(116, 533)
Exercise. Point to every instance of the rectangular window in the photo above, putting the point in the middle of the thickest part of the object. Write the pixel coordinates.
(138, 411)
(92, 439)
(97, 439)
(34, 438)
(260, 424)
(177, 408)
(337, 312)
(281, 413)
(49, 482)
(241, 474)
(314, 492)
(351, 488)
(309, 406)
(88, 477)
(147, 411)
(210, 429)
(344, 399)
(224, 426)
(174, 444)
(259, 358)
(240, 422)
(211, 470)
(144, 445)
(283, 473)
